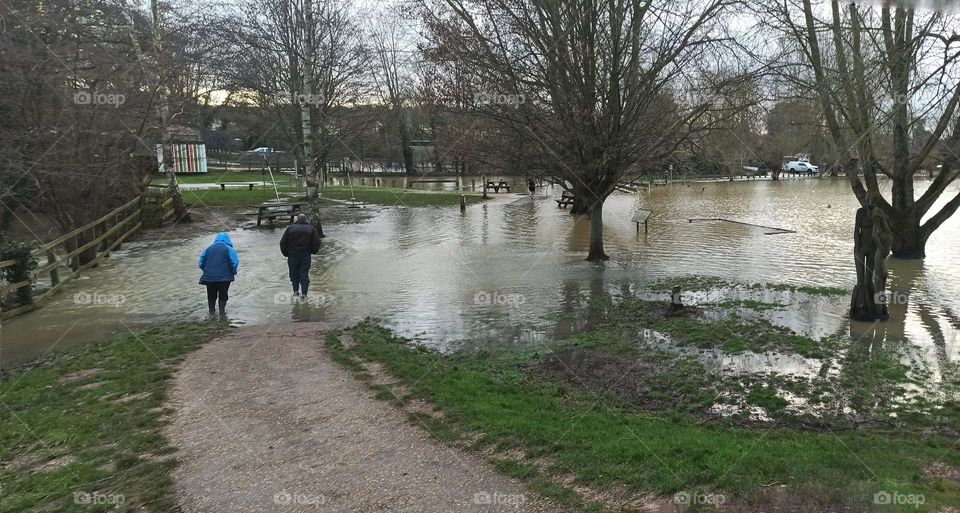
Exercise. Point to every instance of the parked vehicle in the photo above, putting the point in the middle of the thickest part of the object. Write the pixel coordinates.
(797, 166)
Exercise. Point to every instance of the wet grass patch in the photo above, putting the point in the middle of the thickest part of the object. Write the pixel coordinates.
(706, 283)
(84, 433)
(513, 403)
(733, 334)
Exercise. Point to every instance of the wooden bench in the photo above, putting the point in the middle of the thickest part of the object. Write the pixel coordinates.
(496, 186)
(565, 199)
(223, 185)
(271, 211)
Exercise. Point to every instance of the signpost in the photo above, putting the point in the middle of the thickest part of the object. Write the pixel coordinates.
(641, 216)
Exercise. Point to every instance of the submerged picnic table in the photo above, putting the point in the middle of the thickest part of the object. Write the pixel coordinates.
(271, 211)
(496, 186)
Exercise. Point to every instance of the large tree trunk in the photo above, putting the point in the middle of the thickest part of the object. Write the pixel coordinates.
(596, 233)
(313, 172)
(909, 240)
(871, 245)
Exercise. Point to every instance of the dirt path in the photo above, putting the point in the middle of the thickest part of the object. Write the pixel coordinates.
(265, 422)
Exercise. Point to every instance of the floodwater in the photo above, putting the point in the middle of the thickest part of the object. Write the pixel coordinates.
(512, 272)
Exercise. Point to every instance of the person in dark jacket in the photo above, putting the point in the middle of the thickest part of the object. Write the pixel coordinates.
(219, 263)
(299, 241)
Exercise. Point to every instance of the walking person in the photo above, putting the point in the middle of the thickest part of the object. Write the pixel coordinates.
(531, 185)
(299, 241)
(219, 263)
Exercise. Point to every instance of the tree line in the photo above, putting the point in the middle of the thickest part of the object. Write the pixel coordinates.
(584, 93)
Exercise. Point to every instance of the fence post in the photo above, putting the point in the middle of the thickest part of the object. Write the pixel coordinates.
(54, 272)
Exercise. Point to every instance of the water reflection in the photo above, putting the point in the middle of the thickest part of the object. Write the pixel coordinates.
(420, 270)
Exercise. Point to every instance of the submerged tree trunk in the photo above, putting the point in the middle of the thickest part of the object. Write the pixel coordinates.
(872, 240)
(597, 253)
(909, 241)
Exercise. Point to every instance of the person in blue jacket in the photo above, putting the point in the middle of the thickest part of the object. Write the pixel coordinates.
(219, 263)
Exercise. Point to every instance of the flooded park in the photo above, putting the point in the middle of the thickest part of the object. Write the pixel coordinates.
(479, 256)
(511, 272)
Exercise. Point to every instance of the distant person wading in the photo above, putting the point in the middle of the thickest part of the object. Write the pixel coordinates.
(299, 241)
(219, 263)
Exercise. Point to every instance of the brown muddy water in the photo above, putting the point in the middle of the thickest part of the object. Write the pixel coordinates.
(512, 272)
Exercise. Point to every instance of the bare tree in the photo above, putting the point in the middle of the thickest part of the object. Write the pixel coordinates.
(585, 81)
(303, 72)
(392, 73)
(879, 74)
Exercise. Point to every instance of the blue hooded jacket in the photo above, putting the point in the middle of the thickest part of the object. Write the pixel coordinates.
(219, 261)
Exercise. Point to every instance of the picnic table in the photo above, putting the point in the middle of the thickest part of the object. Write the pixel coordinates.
(496, 186)
(271, 211)
(565, 199)
(223, 185)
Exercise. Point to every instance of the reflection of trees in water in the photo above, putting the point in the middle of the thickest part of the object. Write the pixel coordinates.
(882, 345)
(573, 318)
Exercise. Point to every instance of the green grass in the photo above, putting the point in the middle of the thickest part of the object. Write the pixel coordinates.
(502, 397)
(394, 197)
(235, 197)
(698, 282)
(105, 428)
(368, 195)
(218, 176)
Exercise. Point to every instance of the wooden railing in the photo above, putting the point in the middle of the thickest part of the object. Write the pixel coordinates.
(88, 245)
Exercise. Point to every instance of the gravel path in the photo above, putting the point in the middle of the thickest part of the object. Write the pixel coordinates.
(265, 422)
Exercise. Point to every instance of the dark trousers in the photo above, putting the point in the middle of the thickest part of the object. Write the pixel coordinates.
(217, 290)
(299, 267)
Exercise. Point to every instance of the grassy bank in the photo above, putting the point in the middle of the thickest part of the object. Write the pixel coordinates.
(84, 432)
(236, 197)
(218, 176)
(605, 411)
(394, 197)
(367, 195)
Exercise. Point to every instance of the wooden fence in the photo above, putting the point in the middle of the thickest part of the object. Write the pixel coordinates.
(65, 257)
